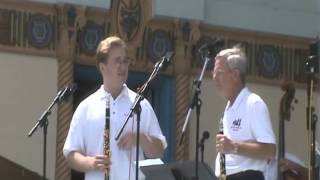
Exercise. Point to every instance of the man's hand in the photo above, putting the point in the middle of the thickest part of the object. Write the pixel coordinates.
(224, 145)
(152, 147)
(100, 163)
(127, 141)
(83, 163)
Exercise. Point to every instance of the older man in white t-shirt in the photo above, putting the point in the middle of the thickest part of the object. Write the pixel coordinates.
(248, 141)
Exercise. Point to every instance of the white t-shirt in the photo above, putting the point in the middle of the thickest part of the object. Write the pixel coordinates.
(247, 119)
(86, 133)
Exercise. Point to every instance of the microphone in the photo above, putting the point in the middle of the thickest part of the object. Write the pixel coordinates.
(205, 136)
(165, 61)
(312, 57)
(204, 46)
(312, 65)
(67, 91)
(210, 48)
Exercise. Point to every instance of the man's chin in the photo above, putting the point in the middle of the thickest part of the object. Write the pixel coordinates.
(122, 80)
(220, 92)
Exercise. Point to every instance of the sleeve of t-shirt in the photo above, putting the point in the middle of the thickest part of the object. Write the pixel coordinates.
(74, 140)
(261, 123)
(152, 127)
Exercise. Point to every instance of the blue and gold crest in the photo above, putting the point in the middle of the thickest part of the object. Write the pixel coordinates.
(159, 44)
(269, 62)
(90, 37)
(40, 31)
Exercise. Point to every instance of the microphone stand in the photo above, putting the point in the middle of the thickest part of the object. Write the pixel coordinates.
(137, 108)
(204, 137)
(202, 151)
(43, 122)
(314, 122)
(196, 101)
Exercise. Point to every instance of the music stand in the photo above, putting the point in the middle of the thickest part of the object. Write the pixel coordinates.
(181, 170)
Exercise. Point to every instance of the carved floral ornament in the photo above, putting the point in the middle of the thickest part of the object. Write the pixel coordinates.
(128, 18)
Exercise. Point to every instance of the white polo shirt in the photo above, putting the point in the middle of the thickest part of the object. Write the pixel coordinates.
(86, 133)
(247, 119)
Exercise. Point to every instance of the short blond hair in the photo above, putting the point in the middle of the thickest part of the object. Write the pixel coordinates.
(106, 45)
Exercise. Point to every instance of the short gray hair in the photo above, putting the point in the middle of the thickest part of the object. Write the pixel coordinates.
(235, 58)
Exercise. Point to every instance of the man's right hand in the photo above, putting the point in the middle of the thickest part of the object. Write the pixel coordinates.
(84, 163)
(100, 163)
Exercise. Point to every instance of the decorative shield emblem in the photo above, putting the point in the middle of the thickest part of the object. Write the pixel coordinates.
(40, 31)
(91, 35)
(159, 44)
(129, 14)
(269, 62)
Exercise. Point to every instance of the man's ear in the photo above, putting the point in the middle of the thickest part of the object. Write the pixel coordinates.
(101, 67)
(236, 73)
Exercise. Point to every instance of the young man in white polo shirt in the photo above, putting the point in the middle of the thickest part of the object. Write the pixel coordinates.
(248, 141)
(84, 146)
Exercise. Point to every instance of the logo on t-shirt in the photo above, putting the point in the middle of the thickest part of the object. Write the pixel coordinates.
(236, 124)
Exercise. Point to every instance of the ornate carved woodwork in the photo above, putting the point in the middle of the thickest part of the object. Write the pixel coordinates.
(71, 33)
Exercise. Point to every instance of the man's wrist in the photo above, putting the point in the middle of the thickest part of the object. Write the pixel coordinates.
(235, 148)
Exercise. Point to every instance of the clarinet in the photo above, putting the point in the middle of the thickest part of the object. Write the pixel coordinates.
(222, 159)
(106, 146)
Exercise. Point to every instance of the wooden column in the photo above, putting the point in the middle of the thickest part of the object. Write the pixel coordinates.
(66, 54)
(183, 75)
